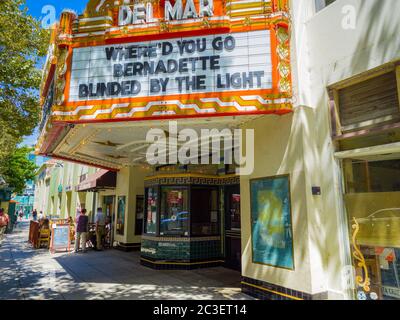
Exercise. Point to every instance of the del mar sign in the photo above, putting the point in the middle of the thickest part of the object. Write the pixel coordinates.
(140, 13)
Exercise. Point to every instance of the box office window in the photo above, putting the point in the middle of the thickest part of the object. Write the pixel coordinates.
(174, 211)
(372, 202)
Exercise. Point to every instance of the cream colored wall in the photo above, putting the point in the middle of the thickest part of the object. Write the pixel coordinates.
(337, 53)
(78, 198)
(122, 189)
(55, 179)
(130, 183)
(286, 145)
(323, 53)
(38, 202)
(67, 175)
(278, 151)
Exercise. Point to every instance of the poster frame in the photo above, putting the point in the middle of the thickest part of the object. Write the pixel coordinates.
(287, 176)
(68, 247)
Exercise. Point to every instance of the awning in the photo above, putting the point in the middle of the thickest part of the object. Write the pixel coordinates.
(102, 179)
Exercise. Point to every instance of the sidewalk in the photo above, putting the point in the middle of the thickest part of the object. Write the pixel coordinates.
(36, 274)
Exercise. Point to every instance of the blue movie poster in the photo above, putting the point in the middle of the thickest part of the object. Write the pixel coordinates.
(272, 238)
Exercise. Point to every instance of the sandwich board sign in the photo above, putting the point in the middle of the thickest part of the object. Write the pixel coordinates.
(60, 237)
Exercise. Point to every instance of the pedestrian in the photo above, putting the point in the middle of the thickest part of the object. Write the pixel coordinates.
(21, 214)
(100, 221)
(34, 215)
(16, 218)
(40, 216)
(4, 220)
(81, 231)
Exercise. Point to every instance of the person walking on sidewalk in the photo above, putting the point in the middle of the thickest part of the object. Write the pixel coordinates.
(34, 215)
(81, 230)
(100, 221)
(4, 220)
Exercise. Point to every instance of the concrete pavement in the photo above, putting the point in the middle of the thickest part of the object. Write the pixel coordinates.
(31, 274)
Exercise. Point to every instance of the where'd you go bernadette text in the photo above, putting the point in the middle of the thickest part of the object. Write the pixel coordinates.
(166, 58)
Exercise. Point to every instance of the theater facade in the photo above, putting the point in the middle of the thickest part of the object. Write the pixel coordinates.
(124, 71)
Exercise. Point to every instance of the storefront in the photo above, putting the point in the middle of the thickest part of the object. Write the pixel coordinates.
(369, 153)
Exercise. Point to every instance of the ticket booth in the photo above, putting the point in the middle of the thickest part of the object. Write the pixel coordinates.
(183, 225)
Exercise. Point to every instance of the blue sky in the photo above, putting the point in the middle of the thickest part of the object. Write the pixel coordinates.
(35, 6)
(35, 9)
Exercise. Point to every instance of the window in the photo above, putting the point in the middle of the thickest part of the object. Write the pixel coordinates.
(174, 213)
(205, 213)
(369, 102)
(372, 176)
(182, 211)
(151, 211)
(372, 201)
(321, 4)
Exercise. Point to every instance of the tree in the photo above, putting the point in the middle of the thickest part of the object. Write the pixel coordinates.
(23, 43)
(19, 169)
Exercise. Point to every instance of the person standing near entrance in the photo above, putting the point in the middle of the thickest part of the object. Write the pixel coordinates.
(100, 221)
(34, 215)
(81, 231)
(4, 220)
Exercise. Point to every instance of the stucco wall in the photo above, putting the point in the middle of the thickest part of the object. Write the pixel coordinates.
(278, 152)
(338, 53)
(323, 52)
(130, 183)
(66, 175)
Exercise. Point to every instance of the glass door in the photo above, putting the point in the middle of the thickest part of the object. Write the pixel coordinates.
(233, 251)
(109, 204)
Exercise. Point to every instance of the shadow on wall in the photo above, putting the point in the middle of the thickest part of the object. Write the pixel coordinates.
(288, 134)
(379, 42)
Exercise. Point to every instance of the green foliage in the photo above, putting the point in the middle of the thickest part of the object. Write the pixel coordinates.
(23, 43)
(19, 169)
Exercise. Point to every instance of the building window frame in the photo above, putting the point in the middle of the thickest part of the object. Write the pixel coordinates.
(320, 5)
(338, 130)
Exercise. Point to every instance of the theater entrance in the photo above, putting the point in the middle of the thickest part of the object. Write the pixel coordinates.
(232, 228)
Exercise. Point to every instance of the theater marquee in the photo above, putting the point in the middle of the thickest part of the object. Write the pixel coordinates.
(209, 64)
(137, 60)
